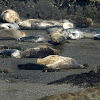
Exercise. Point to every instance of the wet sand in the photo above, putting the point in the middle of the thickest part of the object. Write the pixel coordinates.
(31, 84)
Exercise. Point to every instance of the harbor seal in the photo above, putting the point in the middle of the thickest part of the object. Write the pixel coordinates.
(38, 24)
(56, 62)
(39, 52)
(10, 16)
(44, 24)
(58, 38)
(9, 25)
(79, 33)
(33, 38)
(82, 22)
(11, 34)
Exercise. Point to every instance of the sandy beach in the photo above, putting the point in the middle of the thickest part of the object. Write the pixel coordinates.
(32, 84)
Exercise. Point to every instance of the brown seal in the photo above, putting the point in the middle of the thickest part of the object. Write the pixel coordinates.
(39, 52)
(11, 34)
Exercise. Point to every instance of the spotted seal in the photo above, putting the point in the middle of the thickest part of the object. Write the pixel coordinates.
(10, 16)
(56, 62)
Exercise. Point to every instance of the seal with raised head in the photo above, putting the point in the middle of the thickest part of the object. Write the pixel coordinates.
(10, 16)
(56, 62)
(39, 52)
(57, 38)
(11, 34)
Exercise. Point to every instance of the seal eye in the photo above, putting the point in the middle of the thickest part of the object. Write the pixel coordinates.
(9, 26)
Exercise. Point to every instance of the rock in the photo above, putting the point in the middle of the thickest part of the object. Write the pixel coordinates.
(56, 62)
(38, 52)
(10, 16)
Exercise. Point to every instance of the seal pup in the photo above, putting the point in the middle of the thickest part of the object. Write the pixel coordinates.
(11, 34)
(9, 25)
(79, 33)
(56, 62)
(39, 52)
(33, 38)
(10, 52)
(10, 16)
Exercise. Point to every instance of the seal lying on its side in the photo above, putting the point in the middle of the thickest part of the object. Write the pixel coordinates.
(32, 38)
(78, 33)
(11, 34)
(9, 25)
(44, 24)
(55, 62)
(10, 16)
(39, 52)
